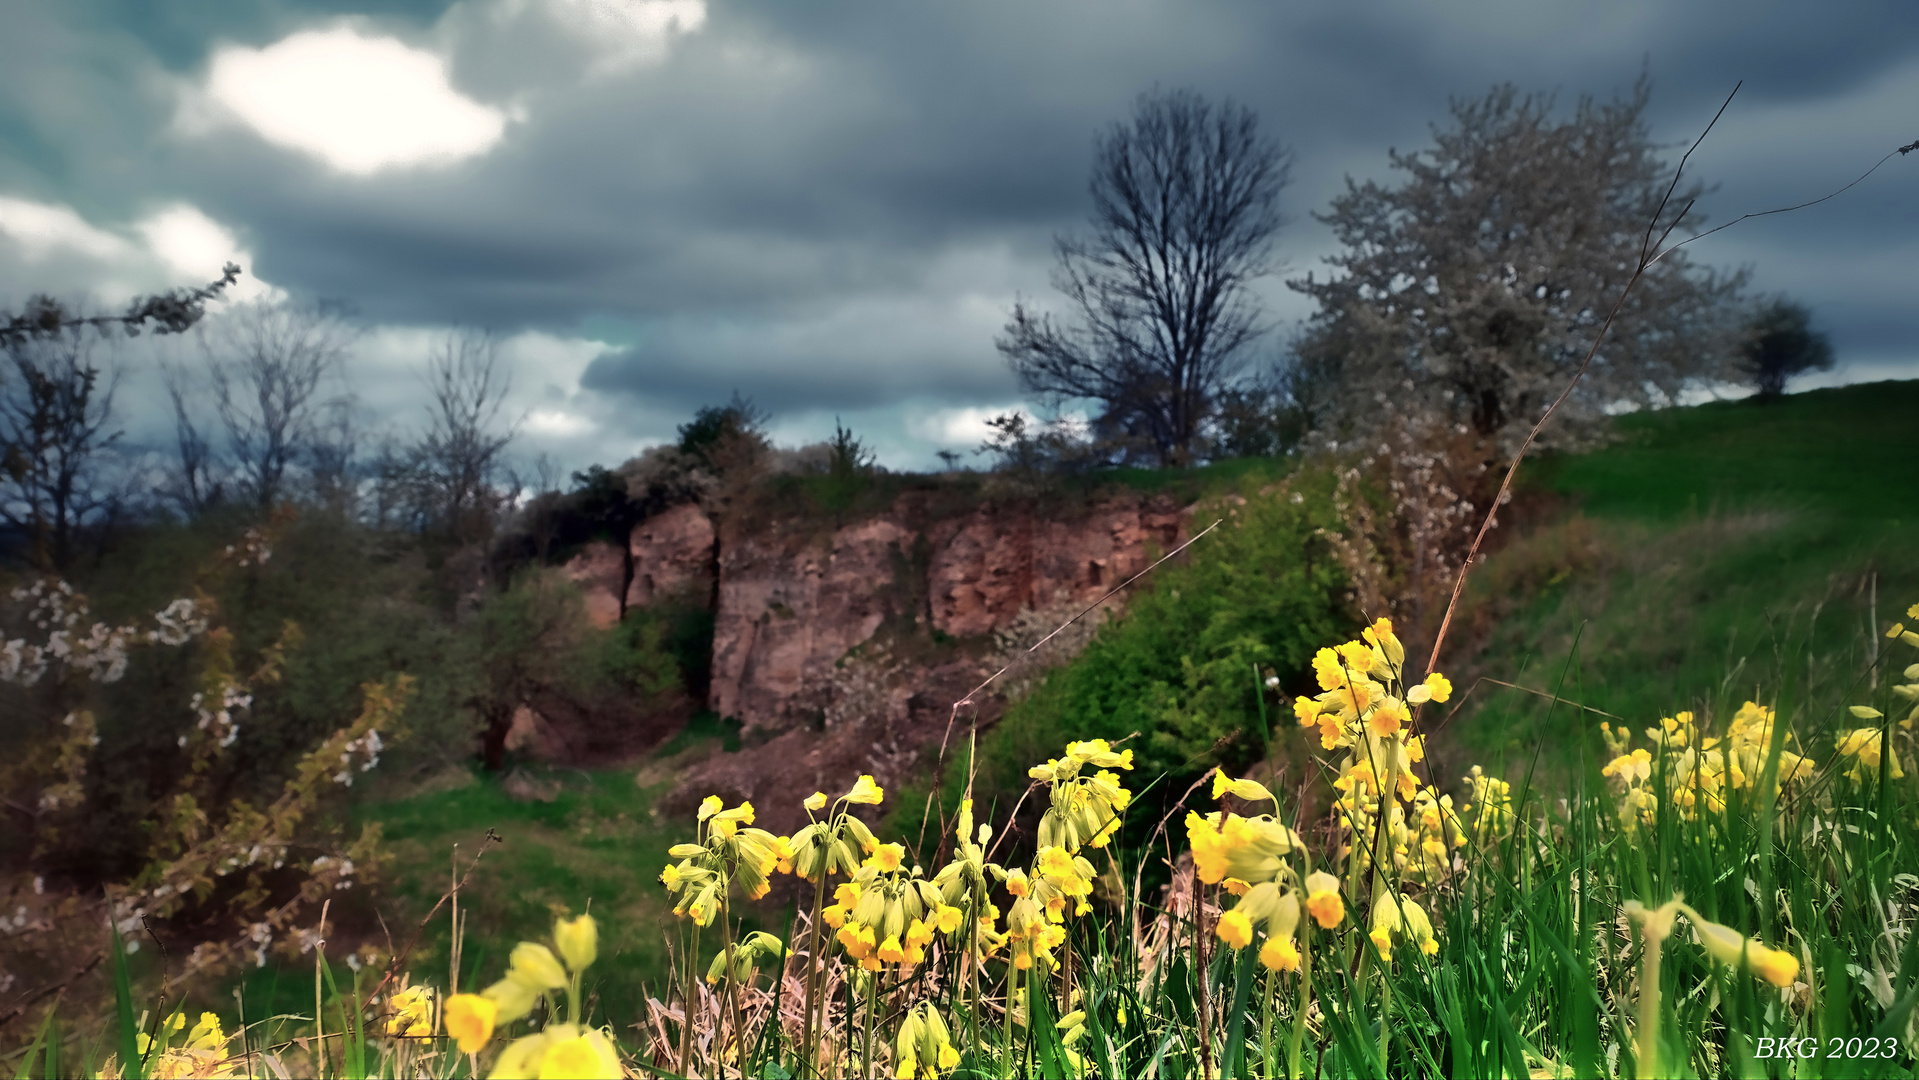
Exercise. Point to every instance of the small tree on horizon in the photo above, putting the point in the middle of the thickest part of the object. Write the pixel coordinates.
(1780, 344)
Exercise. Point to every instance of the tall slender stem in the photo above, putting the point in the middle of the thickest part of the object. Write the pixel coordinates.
(809, 1058)
(1648, 1033)
(1199, 950)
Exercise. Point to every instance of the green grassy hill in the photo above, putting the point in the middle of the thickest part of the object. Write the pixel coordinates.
(1712, 554)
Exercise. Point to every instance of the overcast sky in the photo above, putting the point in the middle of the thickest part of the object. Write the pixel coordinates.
(831, 207)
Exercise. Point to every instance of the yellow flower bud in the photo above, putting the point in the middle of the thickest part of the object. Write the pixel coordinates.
(534, 965)
(866, 792)
(816, 801)
(579, 941)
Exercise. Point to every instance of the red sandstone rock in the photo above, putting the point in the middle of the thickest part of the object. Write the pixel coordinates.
(599, 570)
(672, 555)
(790, 609)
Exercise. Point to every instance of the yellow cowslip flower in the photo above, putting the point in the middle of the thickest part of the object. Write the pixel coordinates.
(709, 806)
(561, 1050)
(1016, 883)
(1305, 710)
(1235, 929)
(887, 857)
(1323, 900)
(816, 801)
(1249, 790)
(579, 941)
(412, 1014)
(866, 792)
(890, 951)
(1627, 768)
(1865, 747)
(469, 1020)
(206, 1033)
(1730, 947)
(1279, 954)
(1913, 613)
(1418, 926)
(1327, 670)
(1895, 630)
(949, 919)
(1380, 634)
(1388, 717)
(534, 966)
(1439, 687)
(1386, 923)
(1358, 656)
(1209, 850)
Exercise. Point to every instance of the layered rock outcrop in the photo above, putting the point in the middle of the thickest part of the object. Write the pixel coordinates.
(997, 562)
(669, 555)
(788, 613)
(790, 603)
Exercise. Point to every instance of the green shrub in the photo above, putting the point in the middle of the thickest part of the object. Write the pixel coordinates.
(1183, 666)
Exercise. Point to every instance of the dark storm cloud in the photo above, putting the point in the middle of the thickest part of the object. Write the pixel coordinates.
(831, 204)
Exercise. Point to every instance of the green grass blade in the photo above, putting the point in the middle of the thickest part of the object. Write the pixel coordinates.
(131, 1066)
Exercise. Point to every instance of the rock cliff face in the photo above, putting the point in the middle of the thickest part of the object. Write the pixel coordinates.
(995, 563)
(669, 555)
(672, 556)
(791, 603)
(788, 614)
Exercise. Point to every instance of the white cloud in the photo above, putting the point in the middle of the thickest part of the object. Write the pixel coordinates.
(51, 248)
(195, 248)
(40, 229)
(961, 428)
(360, 103)
(557, 423)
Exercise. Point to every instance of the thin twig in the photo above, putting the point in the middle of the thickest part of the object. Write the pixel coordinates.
(490, 839)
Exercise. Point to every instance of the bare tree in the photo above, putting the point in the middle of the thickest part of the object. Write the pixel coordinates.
(1471, 291)
(1184, 213)
(461, 455)
(266, 364)
(56, 406)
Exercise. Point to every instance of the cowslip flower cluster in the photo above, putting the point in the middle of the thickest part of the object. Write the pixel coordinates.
(204, 1053)
(758, 949)
(840, 842)
(1865, 747)
(1365, 707)
(888, 913)
(565, 1048)
(924, 1046)
(411, 1013)
(1251, 857)
(1399, 916)
(727, 853)
(1698, 770)
(966, 882)
(1083, 811)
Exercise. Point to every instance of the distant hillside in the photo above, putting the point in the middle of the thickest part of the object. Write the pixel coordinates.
(1712, 554)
